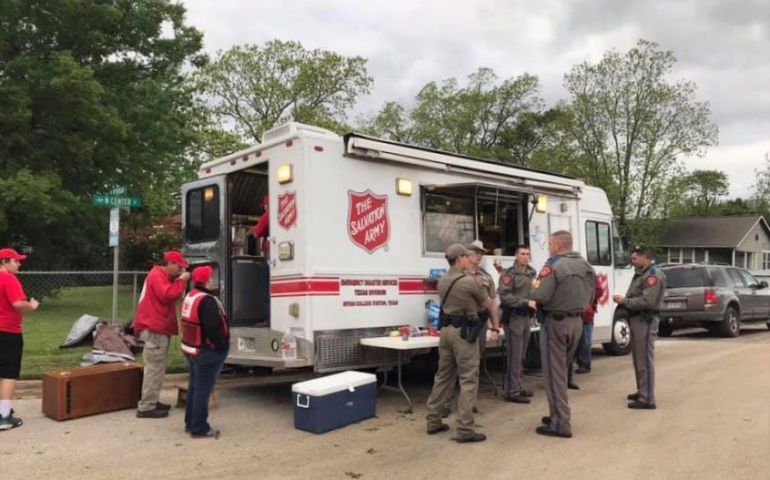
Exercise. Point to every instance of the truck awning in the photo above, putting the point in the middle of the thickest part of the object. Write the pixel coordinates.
(500, 174)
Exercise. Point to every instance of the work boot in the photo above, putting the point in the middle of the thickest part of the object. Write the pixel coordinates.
(633, 396)
(545, 430)
(162, 406)
(476, 437)
(637, 405)
(582, 369)
(154, 413)
(9, 422)
(526, 393)
(545, 420)
(573, 386)
(517, 399)
(441, 428)
(210, 433)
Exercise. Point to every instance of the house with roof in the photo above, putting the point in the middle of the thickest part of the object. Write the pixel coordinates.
(740, 240)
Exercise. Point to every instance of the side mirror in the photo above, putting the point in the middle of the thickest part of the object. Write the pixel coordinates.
(763, 284)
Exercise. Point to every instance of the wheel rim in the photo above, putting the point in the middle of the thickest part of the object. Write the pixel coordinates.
(621, 333)
(732, 321)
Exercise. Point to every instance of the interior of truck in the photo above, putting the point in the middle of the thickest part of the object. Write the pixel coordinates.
(249, 292)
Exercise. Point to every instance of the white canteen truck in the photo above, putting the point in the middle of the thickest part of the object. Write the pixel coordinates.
(357, 232)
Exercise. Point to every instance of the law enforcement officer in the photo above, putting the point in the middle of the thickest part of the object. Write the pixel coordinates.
(642, 302)
(514, 289)
(563, 289)
(461, 299)
(486, 282)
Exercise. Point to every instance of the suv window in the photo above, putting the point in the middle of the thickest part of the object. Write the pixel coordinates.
(735, 277)
(719, 277)
(685, 277)
(748, 279)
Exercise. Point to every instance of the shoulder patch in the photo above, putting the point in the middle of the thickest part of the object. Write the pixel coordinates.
(545, 271)
(506, 280)
(651, 281)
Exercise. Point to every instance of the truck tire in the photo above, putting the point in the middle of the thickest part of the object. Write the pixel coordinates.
(620, 342)
(730, 326)
(665, 329)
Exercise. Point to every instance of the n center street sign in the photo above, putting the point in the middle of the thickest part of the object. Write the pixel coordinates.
(116, 201)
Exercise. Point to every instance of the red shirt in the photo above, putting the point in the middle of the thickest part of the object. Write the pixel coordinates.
(156, 311)
(10, 292)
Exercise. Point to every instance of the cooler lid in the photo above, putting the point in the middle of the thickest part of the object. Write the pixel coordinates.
(333, 383)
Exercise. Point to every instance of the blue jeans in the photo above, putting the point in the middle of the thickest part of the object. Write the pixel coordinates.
(584, 349)
(204, 371)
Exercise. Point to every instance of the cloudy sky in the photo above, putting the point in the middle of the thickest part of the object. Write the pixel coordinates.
(723, 46)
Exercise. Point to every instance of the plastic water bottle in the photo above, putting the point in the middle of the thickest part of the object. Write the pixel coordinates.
(288, 346)
(434, 309)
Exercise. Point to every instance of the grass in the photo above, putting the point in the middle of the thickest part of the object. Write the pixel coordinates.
(46, 329)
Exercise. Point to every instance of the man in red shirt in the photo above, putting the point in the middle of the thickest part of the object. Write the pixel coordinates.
(155, 323)
(13, 302)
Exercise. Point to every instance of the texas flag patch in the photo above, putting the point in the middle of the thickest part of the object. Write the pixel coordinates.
(651, 281)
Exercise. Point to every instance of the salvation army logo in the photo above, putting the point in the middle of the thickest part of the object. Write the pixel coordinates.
(368, 224)
(287, 209)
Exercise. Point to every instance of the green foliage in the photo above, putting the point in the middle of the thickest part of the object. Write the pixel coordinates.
(631, 125)
(486, 118)
(91, 96)
(255, 87)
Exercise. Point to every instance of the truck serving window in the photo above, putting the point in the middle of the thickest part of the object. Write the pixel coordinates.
(202, 222)
(598, 243)
(462, 213)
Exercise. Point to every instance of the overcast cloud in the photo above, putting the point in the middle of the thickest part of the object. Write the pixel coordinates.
(723, 46)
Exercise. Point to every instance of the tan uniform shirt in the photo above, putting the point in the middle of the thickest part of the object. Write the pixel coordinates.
(516, 285)
(565, 284)
(646, 290)
(466, 297)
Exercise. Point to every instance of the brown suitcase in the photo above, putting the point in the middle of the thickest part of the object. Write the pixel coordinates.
(83, 391)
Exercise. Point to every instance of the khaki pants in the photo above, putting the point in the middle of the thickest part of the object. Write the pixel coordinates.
(516, 340)
(154, 356)
(457, 359)
(643, 335)
(558, 342)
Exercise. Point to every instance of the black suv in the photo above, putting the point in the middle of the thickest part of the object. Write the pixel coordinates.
(716, 297)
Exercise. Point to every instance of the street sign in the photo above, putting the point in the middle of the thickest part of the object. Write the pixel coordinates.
(116, 201)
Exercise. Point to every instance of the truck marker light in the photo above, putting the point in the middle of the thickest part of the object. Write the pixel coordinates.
(318, 148)
(245, 158)
(289, 143)
(404, 186)
(285, 173)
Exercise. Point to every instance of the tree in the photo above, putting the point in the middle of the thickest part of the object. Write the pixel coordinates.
(486, 118)
(92, 95)
(251, 88)
(632, 125)
(705, 188)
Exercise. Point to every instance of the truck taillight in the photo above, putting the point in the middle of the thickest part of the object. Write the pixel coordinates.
(710, 297)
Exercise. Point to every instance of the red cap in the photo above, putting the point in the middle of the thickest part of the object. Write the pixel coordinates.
(201, 275)
(172, 256)
(10, 253)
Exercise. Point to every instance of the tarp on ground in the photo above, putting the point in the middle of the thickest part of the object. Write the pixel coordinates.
(81, 329)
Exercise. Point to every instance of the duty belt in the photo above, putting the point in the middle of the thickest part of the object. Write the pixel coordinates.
(457, 321)
(560, 315)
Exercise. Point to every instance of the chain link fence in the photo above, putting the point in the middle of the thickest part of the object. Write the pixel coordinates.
(84, 286)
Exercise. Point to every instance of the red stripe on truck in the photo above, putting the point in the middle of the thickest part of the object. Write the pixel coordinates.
(416, 286)
(304, 286)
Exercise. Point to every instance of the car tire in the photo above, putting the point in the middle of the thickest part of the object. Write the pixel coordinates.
(665, 329)
(620, 341)
(730, 326)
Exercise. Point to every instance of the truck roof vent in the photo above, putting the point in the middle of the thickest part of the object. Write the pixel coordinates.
(294, 128)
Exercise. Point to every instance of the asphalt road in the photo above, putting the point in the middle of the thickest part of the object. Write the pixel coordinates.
(712, 422)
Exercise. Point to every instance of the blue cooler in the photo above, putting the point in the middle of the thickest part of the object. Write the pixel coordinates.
(334, 401)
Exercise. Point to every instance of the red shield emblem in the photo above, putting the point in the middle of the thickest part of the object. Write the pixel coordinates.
(368, 224)
(287, 209)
